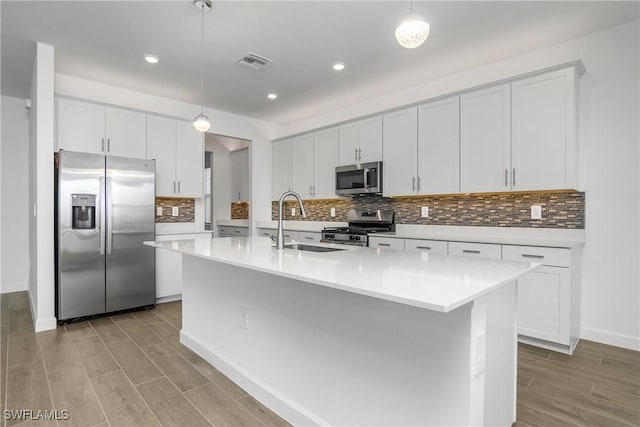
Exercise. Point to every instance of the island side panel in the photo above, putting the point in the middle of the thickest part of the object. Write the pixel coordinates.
(322, 356)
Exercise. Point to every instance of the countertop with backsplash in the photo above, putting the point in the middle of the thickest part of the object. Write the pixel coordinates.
(549, 237)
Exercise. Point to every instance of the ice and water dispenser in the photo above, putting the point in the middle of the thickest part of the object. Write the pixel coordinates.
(83, 208)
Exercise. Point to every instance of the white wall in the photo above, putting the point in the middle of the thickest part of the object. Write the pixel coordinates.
(609, 161)
(41, 285)
(221, 180)
(14, 180)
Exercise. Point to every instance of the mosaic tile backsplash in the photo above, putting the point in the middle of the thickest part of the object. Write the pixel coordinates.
(559, 209)
(240, 210)
(186, 209)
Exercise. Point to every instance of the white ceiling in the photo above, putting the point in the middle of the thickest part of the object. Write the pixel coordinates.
(105, 42)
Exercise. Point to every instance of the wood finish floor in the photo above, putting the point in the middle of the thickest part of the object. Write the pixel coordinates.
(131, 370)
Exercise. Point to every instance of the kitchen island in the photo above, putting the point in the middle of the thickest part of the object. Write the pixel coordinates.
(359, 336)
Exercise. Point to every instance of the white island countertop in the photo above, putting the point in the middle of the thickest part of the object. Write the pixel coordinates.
(434, 282)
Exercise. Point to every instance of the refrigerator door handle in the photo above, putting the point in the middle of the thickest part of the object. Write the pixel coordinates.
(109, 217)
(101, 213)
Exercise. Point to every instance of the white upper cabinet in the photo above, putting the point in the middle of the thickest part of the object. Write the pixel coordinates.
(439, 147)
(189, 160)
(281, 168)
(361, 141)
(240, 175)
(94, 128)
(179, 153)
(485, 140)
(543, 131)
(161, 146)
(303, 165)
(399, 152)
(126, 132)
(325, 158)
(81, 126)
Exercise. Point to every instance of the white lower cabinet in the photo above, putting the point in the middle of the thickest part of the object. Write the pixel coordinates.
(309, 237)
(544, 296)
(432, 246)
(231, 231)
(386, 243)
(480, 250)
(169, 267)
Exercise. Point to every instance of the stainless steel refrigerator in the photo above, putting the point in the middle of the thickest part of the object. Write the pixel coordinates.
(104, 211)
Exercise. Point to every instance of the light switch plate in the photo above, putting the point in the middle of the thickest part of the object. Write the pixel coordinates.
(424, 211)
(333, 212)
(159, 211)
(536, 212)
(174, 211)
(293, 211)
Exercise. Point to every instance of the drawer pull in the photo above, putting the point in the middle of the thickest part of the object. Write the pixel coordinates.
(532, 256)
(236, 231)
(308, 238)
(469, 251)
(384, 244)
(424, 247)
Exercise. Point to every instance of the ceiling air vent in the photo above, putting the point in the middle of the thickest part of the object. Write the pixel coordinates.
(253, 61)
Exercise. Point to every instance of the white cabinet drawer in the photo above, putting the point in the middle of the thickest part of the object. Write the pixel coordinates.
(290, 235)
(433, 246)
(386, 242)
(308, 236)
(227, 231)
(547, 256)
(165, 237)
(480, 250)
(267, 232)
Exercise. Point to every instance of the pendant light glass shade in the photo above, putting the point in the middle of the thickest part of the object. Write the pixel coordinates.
(201, 122)
(413, 30)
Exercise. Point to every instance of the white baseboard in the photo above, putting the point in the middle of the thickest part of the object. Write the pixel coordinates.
(6, 288)
(606, 337)
(274, 400)
(46, 324)
(169, 298)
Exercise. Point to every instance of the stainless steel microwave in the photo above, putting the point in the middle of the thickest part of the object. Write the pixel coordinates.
(363, 178)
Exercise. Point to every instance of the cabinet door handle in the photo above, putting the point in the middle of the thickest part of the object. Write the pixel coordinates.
(424, 247)
(513, 177)
(419, 183)
(469, 251)
(308, 238)
(238, 195)
(178, 186)
(355, 153)
(103, 144)
(506, 177)
(311, 190)
(384, 244)
(532, 256)
(174, 186)
(414, 183)
(108, 145)
(314, 190)
(359, 153)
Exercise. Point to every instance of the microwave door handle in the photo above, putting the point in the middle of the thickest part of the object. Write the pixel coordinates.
(366, 179)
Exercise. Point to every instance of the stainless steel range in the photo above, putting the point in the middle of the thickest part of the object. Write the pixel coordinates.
(361, 223)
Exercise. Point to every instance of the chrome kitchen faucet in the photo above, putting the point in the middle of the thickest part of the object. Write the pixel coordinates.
(280, 235)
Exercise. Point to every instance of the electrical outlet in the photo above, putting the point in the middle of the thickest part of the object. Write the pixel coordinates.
(424, 211)
(174, 211)
(293, 211)
(536, 212)
(333, 212)
(244, 318)
(159, 211)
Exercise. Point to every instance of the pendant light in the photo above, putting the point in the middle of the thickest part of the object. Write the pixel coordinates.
(413, 30)
(201, 122)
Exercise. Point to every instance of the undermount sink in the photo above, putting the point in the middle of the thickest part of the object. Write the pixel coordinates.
(311, 248)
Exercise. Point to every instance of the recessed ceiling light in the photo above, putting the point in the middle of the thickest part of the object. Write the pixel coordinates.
(151, 59)
(272, 95)
(338, 66)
